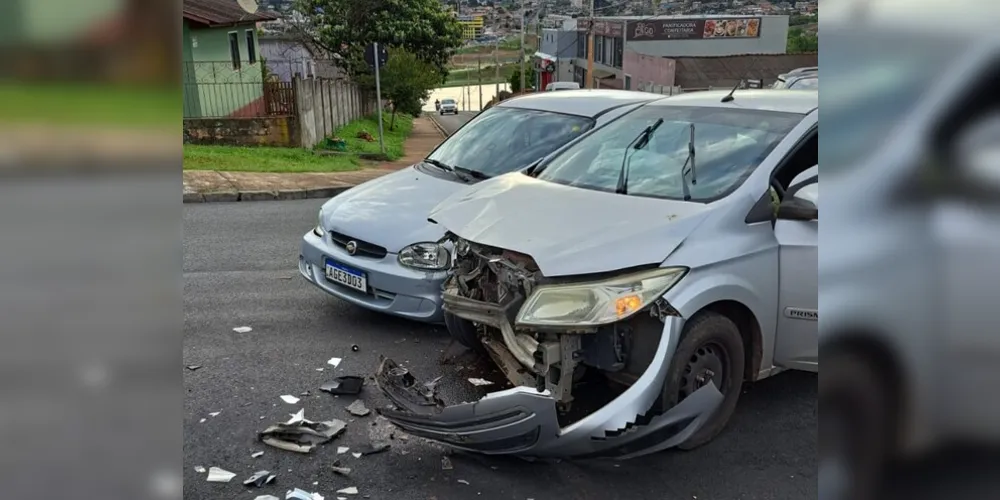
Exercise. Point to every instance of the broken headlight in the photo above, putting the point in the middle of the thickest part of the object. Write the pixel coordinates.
(318, 230)
(428, 256)
(599, 302)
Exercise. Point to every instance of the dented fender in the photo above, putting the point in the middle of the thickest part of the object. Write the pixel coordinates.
(523, 421)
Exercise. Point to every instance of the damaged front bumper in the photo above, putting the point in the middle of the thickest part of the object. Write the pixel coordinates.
(523, 421)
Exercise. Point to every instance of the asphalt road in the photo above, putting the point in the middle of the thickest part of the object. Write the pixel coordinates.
(451, 123)
(240, 270)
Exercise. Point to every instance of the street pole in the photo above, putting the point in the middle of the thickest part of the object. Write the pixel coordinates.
(590, 48)
(522, 45)
(378, 98)
(624, 49)
(479, 71)
(496, 66)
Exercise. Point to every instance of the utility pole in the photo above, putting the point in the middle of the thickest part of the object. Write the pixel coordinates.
(496, 66)
(590, 48)
(479, 71)
(522, 45)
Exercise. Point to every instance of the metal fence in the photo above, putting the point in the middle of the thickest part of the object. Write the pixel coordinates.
(221, 89)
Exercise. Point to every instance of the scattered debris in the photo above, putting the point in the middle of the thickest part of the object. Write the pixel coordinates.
(202, 421)
(298, 494)
(217, 475)
(346, 385)
(342, 449)
(374, 448)
(356, 455)
(199, 469)
(242, 329)
(446, 464)
(334, 362)
(348, 491)
(304, 394)
(343, 471)
(358, 409)
(256, 454)
(288, 398)
(432, 385)
(214, 413)
(463, 481)
(301, 435)
(193, 367)
(319, 369)
(355, 348)
(297, 418)
(402, 388)
(267, 497)
(259, 478)
(478, 382)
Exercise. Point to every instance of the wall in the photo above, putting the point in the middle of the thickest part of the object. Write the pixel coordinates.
(646, 69)
(323, 105)
(274, 131)
(773, 39)
(223, 90)
(284, 58)
(560, 44)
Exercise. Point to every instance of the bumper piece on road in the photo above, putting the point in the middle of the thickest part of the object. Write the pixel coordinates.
(523, 421)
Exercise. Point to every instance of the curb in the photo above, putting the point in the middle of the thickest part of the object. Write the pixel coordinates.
(295, 194)
(438, 126)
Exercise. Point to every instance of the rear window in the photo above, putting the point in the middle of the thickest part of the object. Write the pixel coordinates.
(504, 139)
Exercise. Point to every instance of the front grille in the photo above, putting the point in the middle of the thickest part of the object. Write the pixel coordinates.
(365, 249)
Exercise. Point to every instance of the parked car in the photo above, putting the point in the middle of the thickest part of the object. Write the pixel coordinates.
(800, 79)
(373, 246)
(448, 106)
(670, 255)
(562, 86)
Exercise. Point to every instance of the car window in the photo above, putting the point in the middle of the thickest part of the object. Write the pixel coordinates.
(729, 144)
(447, 101)
(504, 139)
(805, 84)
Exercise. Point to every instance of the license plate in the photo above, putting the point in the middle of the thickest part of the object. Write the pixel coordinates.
(339, 273)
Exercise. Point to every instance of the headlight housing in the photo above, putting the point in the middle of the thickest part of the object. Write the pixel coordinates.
(318, 230)
(428, 256)
(597, 303)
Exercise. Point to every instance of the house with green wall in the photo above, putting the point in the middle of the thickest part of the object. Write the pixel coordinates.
(222, 75)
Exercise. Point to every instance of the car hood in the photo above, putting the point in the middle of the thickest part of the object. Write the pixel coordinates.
(390, 211)
(567, 230)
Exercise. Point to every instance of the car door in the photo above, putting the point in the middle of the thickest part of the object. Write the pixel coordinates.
(797, 333)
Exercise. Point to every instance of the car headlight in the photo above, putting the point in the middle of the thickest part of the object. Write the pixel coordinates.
(429, 256)
(597, 303)
(318, 230)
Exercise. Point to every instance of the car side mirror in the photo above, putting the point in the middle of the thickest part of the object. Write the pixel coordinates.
(793, 208)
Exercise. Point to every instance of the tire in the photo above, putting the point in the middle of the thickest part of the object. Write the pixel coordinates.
(464, 332)
(855, 427)
(709, 341)
(442, 113)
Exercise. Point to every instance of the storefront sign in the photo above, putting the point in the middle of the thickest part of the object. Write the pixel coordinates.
(688, 29)
(603, 28)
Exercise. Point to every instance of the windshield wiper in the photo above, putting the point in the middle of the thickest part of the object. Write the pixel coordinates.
(640, 142)
(464, 174)
(694, 174)
(475, 174)
(439, 164)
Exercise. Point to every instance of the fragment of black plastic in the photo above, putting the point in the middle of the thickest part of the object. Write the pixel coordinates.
(348, 385)
(259, 478)
(403, 389)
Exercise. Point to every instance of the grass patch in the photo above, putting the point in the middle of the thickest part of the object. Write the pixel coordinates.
(394, 139)
(151, 107)
(280, 160)
(471, 76)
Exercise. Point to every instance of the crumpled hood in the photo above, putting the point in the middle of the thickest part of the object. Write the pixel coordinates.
(566, 230)
(390, 211)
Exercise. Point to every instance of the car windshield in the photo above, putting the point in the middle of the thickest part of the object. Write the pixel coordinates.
(504, 139)
(729, 144)
(810, 83)
(447, 101)
(874, 82)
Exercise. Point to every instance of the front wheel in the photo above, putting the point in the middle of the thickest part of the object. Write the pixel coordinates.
(464, 332)
(710, 352)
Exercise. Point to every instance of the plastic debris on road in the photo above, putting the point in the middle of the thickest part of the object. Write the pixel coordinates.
(256, 454)
(259, 478)
(478, 382)
(334, 362)
(343, 471)
(193, 367)
(356, 455)
(217, 475)
(446, 464)
(288, 398)
(374, 448)
(199, 469)
(242, 329)
(298, 494)
(463, 481)
(358, 409)
(266, 497)
(348, 491)
(214, 414)
(301, 435)
(346, 385)
(342, 449)
(355, 348)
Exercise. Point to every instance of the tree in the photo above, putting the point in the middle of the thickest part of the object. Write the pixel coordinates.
(345, 27)
(529, 78)
(406, 82)
(800, 41)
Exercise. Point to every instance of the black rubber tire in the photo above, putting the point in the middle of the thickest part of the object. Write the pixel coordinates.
(464, 332)
(708, 330)
(855, 409)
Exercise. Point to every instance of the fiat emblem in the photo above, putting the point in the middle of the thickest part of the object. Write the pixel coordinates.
(352, 247)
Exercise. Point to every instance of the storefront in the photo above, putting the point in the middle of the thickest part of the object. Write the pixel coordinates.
(545, 68)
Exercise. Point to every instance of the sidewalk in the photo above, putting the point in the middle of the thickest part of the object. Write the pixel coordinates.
(212, 186)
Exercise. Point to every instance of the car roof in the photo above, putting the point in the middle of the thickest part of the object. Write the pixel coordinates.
(584, 102)
(782, 100)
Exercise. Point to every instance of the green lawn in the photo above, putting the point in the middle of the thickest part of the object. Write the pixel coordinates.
(73, 104)
(270, 159)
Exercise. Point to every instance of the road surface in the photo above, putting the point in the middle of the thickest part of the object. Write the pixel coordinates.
(451, 123)
(240, 269)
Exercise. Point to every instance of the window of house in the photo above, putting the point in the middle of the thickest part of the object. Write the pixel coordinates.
(234, 49)
(617, 53)
(599, 49)
(251, 47)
